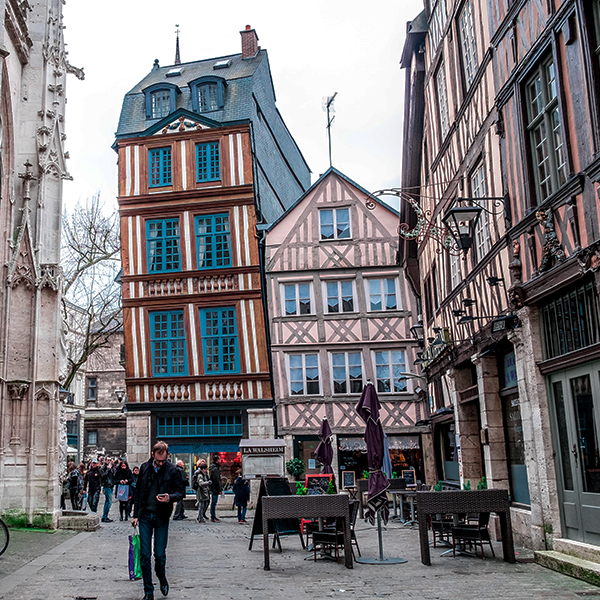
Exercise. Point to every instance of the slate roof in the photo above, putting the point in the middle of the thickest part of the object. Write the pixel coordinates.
(238, 95)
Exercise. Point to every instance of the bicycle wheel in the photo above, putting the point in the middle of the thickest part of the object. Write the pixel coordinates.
(3, 536)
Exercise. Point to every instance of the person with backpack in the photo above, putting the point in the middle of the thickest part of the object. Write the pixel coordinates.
(241, 493)
(75, 483)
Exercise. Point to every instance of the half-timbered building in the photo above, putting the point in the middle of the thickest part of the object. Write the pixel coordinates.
(340, 312)
(509, 122)
(204, 157)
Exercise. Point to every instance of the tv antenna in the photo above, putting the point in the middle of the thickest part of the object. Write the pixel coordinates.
(328, 106)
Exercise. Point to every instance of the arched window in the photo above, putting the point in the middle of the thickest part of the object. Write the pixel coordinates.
(160, 100)
(207, 94)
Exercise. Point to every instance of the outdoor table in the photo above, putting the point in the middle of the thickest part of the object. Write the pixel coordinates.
(307, 507)
(466, 501)
(410, 496)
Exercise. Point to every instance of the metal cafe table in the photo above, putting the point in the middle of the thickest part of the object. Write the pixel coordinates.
(465, 501)
(307, 507)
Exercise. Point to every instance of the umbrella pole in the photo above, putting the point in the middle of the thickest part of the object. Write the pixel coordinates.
(381, 560)
(380, 536)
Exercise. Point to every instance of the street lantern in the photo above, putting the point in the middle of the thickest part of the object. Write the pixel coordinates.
(417, 331)
(461, 222)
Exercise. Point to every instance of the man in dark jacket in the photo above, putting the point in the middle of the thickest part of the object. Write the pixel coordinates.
(108, 483)
(158, 486)
(216, 487)
(92, 484)
(179, 510)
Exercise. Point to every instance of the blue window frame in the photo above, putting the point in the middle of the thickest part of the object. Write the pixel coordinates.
(207, 93)
(209, 426)
(159, 160)
(162, 241)
(208, 161)
(167, 334)
(219, 340)
(213, 245)
(335, 224)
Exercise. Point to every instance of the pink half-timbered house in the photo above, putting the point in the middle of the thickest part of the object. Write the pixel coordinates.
(340, 312)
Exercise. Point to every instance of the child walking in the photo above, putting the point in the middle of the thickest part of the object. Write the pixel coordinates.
(241, 491)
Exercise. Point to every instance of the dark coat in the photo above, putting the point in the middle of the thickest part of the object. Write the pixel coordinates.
(169, 482)
(108, 476)
(92, 480)
(216, 485)
(241, 491)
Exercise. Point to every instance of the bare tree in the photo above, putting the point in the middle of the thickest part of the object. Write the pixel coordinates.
(91, 261)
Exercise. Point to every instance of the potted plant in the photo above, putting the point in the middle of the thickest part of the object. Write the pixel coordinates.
(295, 467)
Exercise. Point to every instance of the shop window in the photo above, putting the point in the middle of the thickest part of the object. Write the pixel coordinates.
(209, 426)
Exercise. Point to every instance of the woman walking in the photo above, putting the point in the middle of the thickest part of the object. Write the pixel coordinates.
(123, 477)
(241, 492)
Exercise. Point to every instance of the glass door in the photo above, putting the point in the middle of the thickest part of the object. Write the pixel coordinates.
(576, 409)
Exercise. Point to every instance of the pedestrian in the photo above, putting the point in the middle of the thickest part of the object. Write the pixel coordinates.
(179, 509)
(216, 487)
(92, 484)
(241, 494)
(123, 476)
(158, 486)
(108, 483)
(202, 487)
(75, 484)
(134, 477)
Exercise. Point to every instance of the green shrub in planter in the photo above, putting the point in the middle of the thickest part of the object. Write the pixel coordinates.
(295, 467)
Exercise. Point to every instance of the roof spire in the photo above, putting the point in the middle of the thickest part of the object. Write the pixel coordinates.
(177, 57)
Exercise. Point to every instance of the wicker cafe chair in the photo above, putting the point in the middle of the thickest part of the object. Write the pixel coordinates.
(472, 535)
(333, 537)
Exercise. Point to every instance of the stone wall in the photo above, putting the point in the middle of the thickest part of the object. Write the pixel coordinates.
(138, 437)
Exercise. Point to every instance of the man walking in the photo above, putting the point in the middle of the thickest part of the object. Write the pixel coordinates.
(179, 509)
(158, 486)
(108, 483)
(216, 487)
(92, 484)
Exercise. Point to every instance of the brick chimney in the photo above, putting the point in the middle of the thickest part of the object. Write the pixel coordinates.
(250, 45)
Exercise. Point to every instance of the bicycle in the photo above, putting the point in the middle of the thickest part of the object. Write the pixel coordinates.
(4, 537)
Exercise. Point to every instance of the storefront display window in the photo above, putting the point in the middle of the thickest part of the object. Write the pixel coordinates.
(305, 451)
(449, 452)
(405, 453)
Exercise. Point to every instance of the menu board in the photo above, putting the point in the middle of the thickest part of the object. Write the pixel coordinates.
(348, 480)
(317, 484)
(409, 477)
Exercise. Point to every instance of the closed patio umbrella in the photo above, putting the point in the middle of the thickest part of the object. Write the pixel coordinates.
(368, 409)
(377, 504)
(324, 451)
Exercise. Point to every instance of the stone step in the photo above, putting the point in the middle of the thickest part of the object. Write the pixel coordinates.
(586, 570)
(578, 549)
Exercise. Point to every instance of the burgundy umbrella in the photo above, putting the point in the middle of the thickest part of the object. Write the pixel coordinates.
(377, 504)
(324, 451)
(368, 408)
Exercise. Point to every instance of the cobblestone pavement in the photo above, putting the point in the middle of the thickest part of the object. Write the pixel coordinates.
(213, 561)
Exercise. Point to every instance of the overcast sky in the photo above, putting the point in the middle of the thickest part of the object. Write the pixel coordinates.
(315, 48)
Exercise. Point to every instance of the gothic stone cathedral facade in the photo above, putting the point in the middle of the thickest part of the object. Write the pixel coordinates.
(33, 67)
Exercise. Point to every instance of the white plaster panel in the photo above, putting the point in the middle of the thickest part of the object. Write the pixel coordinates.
(240, 160)
(231, 160)
(127, 170)
(136, 171)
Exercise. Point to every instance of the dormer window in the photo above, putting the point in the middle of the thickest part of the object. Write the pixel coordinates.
(207, 94)
(160, 100)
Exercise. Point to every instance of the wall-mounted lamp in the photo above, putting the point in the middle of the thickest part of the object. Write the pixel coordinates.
(457, 312)
(494, 281)
(504, 323)
(468, 302)
(461, 222)
(417, 331)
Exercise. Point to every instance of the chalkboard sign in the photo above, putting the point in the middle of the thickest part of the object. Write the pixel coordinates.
(348, 480)
(317, 484)
(409, 477)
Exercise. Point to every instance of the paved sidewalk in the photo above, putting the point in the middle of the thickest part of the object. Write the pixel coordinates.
(213, 561)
